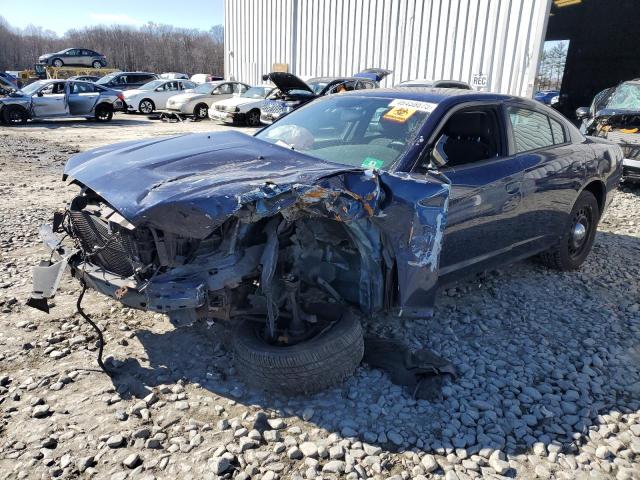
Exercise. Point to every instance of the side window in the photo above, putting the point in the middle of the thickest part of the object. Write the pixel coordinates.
(223, 89)
(172, 86)
(87, 53)
(81, 87)
(472, 135)
(239, 88)
(187, 85)
(558, 132)
(363, 85)
(121, 80)
(531, 129)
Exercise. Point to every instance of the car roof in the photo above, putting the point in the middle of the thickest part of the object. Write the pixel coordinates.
(439, 95)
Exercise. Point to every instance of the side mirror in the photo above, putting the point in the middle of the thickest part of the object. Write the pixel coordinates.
(582, 113)
(438, 157)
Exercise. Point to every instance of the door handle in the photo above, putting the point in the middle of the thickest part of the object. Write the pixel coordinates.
(512, 187)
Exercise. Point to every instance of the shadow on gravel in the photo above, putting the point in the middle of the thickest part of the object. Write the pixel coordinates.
(541, 355)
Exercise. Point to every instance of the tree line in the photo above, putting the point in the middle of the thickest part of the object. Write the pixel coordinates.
(151, 47)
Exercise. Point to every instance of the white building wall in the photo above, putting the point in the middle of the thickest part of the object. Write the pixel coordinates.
(433, 39)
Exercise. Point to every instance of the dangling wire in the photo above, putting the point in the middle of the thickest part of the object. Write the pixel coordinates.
(95, 327)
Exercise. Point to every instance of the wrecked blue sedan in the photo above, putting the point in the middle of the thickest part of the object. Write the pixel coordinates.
(366, 201)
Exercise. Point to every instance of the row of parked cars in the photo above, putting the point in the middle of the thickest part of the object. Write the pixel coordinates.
(200, 96)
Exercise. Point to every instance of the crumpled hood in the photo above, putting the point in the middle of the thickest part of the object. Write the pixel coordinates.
(193, 183)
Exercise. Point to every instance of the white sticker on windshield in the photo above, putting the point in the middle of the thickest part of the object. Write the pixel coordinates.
(414, 104)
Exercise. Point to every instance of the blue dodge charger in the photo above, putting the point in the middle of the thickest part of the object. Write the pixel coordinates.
(366, 201)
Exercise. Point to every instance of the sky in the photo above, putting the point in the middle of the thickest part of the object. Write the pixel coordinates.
(66, 15)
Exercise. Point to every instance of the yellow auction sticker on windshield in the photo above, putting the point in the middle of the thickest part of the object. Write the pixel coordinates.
(402, 110)
(399, 114)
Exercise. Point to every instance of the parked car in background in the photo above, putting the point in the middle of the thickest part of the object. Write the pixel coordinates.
(244, 108)
(174, 75)
(198, 102)
(60, 98)
(294, 92)
(204, 78)
(372, 200)
(6, 87)
(548, 97)
(435, 84)
(81, 57)
(85, 78)
(126, 80)
(10, 79)
(614, 114)
(154, 95)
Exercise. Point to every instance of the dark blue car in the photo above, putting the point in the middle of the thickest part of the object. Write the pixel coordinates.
(365, 201)
(548, 97)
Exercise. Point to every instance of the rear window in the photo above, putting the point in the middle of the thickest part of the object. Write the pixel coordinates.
(533, 130)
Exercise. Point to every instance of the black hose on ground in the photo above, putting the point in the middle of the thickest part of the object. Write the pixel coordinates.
(95, 327)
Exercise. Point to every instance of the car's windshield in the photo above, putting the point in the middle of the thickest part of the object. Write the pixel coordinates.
(106, 79)
(204, 88)
(33, 87)
(317, 86)
(256, 92)
(368, 132)
(626, 96)
(152, 85)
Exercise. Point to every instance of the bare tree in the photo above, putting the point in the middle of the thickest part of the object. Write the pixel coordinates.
(152, 47)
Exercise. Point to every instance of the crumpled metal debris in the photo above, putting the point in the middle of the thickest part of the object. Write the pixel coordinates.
(422, 371)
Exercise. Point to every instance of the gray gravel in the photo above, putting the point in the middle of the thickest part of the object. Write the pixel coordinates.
(548, 362)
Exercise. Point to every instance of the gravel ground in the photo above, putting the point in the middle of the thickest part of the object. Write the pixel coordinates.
(548, 362)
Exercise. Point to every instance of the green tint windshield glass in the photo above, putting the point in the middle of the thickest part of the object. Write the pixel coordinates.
(351, 130)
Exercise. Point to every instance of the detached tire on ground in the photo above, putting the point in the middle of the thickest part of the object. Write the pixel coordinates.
(577, 239)
(307, 367)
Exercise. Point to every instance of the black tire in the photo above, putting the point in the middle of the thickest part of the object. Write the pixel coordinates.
(569, 253)
(306, 367)
(104, 113)
(14, 115)
(96, 64)
(148, 105)
(201, 111)
(57, 63)
(253, 118)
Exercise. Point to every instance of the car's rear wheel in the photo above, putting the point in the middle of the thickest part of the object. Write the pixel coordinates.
(253, 118)
(104, 113)
(577, 239)
(58, 63)
(146, 106)
(319, 361)
(96, 64)
(14, 115)
(201, 111)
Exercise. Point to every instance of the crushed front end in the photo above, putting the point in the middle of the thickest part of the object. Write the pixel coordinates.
(623, 128)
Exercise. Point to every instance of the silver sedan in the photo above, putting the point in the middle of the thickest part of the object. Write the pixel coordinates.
(60, 98)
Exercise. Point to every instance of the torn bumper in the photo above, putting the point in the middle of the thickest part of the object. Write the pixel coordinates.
(160, 297)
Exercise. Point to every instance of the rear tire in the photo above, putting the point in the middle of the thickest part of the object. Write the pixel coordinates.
(578, 236)
(201, 111)
(14, 115)
(146, 106)
(57, 63)
(104, 113)
(96, 64)
(306, 367)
